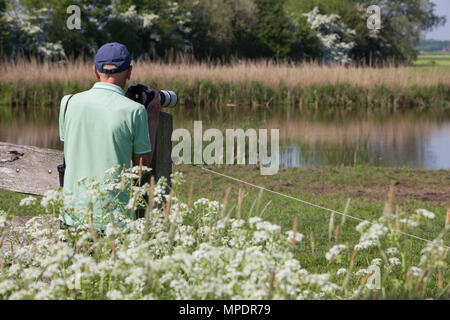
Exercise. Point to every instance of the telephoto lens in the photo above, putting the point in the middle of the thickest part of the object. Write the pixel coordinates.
(168, 98)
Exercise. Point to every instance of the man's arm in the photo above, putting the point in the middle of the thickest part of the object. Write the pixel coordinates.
(147, 129)
(153, 109)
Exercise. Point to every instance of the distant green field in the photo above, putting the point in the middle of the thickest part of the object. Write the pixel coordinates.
(434, 58)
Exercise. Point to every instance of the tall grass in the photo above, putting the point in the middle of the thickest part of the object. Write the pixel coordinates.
(212, 87)
(268, 73)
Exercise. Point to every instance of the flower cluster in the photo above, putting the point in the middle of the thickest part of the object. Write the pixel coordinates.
(181, 251)
(331, 35)
(172, 253)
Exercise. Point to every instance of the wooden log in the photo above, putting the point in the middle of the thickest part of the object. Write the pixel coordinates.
(28, 169)
(162, 158)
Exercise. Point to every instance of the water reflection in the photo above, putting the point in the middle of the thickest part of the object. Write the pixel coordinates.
(394, 141)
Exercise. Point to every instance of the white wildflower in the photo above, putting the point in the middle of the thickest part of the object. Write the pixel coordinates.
(394, 261)
(376, 262)
(365, 244)
(392, 251)
(341, 271)
(362, 271)
(416, 272)
(426, 213)
(27, 201)
(409, 222)
(361, 226)
(335, 251)
(298, 236)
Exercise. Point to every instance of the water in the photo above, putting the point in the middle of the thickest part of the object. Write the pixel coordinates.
(393, 141)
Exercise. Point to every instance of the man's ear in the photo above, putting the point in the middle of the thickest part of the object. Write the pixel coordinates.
(94, 68)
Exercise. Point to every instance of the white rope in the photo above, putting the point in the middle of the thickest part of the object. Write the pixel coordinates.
(310, 203)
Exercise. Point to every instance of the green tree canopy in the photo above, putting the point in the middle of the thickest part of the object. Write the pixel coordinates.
(218, 29)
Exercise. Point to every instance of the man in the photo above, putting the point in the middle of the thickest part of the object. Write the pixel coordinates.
(101, 128)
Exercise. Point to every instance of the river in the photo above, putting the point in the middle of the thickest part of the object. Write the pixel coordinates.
(394, 140)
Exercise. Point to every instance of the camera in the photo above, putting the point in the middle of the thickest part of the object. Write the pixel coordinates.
(166, 98)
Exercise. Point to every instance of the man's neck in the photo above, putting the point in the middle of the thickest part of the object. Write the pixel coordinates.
(114, 81)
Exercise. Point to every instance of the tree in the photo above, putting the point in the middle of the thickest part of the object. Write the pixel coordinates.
(4, 27)
(273, 31)
(331, 35)
(402, 24)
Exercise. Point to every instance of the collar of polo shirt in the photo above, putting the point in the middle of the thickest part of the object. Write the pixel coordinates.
(108, 86)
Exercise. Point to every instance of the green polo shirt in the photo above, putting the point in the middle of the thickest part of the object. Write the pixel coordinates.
(101, 129)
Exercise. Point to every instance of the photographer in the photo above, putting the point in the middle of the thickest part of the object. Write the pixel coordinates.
(102, 128)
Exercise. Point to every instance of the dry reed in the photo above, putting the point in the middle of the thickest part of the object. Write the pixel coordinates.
(265, 208)
(114, 251)
(311, 240)
(269, 73)
(350, 269)
(331, 226)
(336, 234)
(347, 206)
(398, 225)
(241, 198)
(294, 232)
(366, 278)
(191, 196)
(271, 281)
(167, 206)
(225, 200)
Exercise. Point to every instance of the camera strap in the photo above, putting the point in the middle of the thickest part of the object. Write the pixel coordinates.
(65, 110)
(67, 104)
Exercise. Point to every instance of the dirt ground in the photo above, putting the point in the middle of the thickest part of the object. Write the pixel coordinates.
(371, 183)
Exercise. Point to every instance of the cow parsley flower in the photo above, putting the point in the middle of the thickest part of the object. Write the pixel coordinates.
(376, 262)
(27, 201)
(298, 236)
(409, 222)
(394, 261)
(426, 213)
(392, 251)
(362, 225)
(335, 251)
(341, 271)
(365, 244)
(362, 271)
(416, 272)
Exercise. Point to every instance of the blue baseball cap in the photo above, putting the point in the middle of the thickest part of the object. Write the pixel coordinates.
(112, 53)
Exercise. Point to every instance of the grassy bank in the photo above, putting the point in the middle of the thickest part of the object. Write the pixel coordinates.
(434, 59)
(306, 87)
(207, 96)
(331, 187)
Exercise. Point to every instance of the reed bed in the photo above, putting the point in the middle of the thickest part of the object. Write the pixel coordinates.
(214, 87)
(268, 73)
